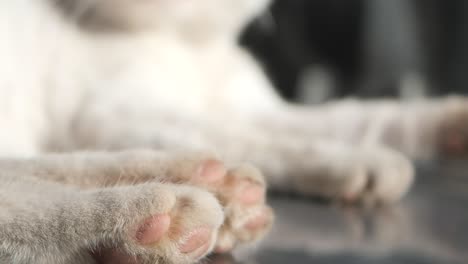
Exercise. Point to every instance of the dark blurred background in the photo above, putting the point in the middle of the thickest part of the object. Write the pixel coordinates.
(315, 50)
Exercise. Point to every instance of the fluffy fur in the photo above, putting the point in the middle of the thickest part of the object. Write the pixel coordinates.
(169, 75)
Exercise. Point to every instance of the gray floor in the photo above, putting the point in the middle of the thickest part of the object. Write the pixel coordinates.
(429, 226)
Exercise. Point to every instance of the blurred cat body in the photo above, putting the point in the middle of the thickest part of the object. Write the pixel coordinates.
(170, 75)
(54, 67)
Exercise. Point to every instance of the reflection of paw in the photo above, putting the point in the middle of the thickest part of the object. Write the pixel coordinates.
(158, 223)
(369, 176)
(452, 133)
(241, 191)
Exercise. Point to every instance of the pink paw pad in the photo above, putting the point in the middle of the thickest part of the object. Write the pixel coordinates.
(211, 171)
(196, 242)
(257, 223)
(251, 194)
(153, 229)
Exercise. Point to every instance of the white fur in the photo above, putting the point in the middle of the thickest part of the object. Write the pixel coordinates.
(168, 74)
(52, 68)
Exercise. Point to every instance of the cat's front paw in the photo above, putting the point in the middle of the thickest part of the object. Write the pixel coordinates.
(386, 177)
(240, 190)
(157, 223)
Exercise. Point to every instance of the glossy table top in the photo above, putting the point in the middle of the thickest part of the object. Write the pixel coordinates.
(429, 226)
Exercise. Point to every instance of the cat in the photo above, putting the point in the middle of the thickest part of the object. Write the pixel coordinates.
(86, 82)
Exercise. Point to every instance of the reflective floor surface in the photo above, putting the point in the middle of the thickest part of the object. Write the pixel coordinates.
(429, 226)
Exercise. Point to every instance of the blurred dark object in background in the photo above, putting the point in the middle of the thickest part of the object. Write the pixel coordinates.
(315, 50)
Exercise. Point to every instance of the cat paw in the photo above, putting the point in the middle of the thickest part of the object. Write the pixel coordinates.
(240, 190)
(362, 176)
(383, 176)
(452, 131)
(157, 223)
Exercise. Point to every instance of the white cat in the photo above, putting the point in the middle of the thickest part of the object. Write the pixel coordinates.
(168, 75)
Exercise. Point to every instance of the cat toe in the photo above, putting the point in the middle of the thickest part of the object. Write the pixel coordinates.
(210, 171)
(196, 242)
(195, 168)
(386, 178)
(256, 225)
(251, 194)
(243, 186)
(195, 222)
(153, 229)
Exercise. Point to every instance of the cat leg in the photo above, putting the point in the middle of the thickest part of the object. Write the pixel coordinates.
(149, 223)
(423, 130)
(302, 162)
(344, 172)
(240, 190)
